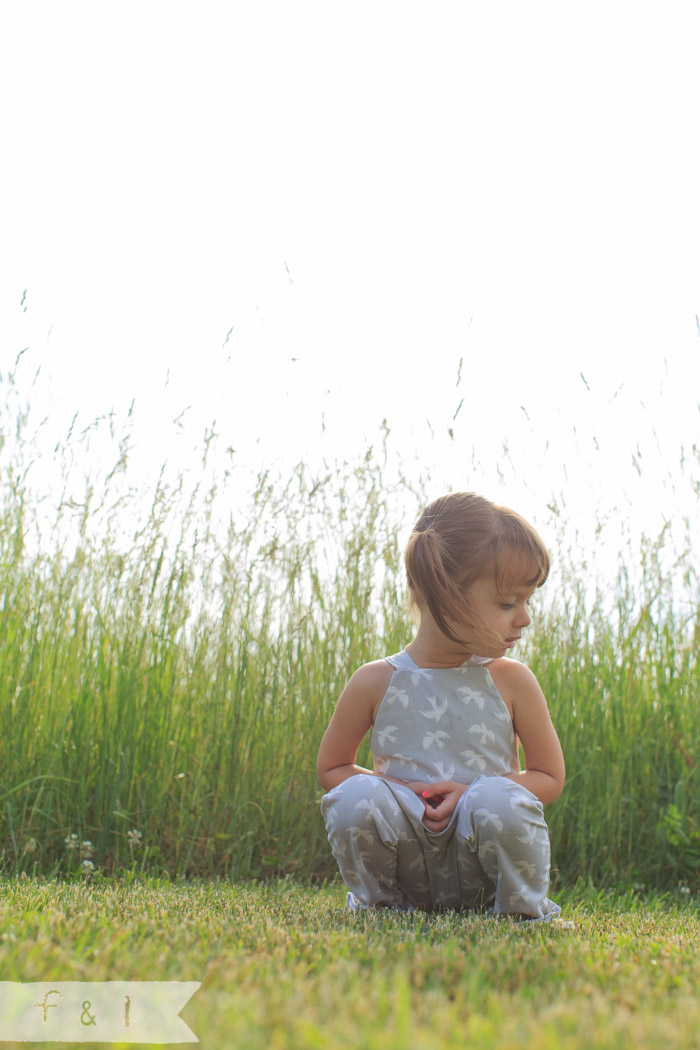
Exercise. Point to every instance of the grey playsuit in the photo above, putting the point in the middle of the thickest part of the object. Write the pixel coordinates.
(435, 725)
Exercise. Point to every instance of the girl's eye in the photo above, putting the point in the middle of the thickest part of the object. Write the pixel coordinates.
(507, 605)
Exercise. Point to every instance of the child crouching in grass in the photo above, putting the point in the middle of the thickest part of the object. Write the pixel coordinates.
(447, 818)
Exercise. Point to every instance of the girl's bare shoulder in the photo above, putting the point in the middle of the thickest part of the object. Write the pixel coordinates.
(513, 680)
(510, 671)
(371, 677)
(369, 683)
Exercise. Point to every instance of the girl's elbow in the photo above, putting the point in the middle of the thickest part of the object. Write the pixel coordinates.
(558, 786)
(324, 773)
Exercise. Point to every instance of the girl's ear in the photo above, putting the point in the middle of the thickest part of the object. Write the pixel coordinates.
(415, 603)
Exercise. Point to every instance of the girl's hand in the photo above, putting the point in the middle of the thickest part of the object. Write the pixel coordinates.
(428, 797)
(440, 802)
(419, 787)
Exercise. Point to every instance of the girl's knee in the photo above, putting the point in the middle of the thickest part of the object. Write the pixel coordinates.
(348, 801)
(502, 807)
(501, 793)
(354, 787)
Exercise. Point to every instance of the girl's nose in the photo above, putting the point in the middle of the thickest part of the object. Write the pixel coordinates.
(523, 617)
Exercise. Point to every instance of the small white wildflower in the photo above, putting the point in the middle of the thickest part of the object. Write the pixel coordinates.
(685, 890)
(71, 841)
(179, 776)
(134, 836)
(87, 866)
(31, 846)
(86, 848)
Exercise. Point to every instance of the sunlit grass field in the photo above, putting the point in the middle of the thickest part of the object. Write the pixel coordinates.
(283, 965)
(170, 659)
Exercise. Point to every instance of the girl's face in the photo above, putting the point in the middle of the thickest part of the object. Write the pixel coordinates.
(505, 612)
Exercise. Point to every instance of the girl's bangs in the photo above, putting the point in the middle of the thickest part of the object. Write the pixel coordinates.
(520, 566)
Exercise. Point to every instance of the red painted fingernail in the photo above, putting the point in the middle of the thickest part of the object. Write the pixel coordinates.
(425, 794)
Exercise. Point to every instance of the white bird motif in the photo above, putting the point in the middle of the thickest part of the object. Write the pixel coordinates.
(357, 834)
(387, 733)
(446, 872)
(437, 710)
(472, 759)
(529, 837)
(393, 693)
(472, 696)
(487, 735)
(514, 801)
(488, 847)
(489, 819)
(418, 674)
(503, 716)
(370, 806)
(444, 774)
(408, 761)
(524, 868)
(520, 895)
(374, 811)
(439, 737)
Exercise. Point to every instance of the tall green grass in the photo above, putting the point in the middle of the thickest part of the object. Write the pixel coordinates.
(169, 667)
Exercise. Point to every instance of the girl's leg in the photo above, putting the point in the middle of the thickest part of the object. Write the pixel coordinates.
(502, 825)
(378, 853)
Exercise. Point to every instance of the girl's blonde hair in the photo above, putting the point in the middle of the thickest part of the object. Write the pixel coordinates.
(463, 537)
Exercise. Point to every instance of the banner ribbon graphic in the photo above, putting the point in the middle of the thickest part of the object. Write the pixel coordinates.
(95, 1011)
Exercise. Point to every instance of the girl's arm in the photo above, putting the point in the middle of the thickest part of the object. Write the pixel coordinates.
(353, 716)
(544, 771)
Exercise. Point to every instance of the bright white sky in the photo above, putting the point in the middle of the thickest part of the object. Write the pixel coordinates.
(302, 213)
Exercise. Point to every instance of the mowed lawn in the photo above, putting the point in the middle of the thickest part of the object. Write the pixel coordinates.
(282, 965)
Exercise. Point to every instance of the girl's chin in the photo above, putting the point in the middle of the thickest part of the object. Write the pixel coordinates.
(494, 651)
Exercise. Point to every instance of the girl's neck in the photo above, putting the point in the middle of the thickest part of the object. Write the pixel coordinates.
(431, 648)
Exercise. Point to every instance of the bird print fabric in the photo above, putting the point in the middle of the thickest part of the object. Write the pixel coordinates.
(435, 725)
(428, 712)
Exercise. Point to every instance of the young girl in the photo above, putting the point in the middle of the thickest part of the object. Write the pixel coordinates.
(447, 819)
